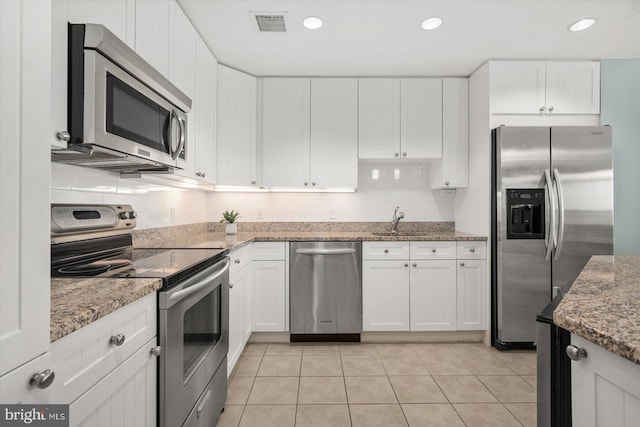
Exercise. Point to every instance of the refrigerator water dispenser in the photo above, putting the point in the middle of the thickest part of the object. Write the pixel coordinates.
(525, 213)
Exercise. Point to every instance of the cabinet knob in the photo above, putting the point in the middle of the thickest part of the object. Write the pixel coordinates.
(397, 155)
(203, 174)
(386, 251)
(313, 183)
(230, 285)
(551, 109)
(117, 340)
(404, 154)
(253, 183)
(472, 250)
(156, 351)
(406, 264)
(415, 264)
(237, 261)
(542, 109)
(576, 353)
(198, 174)
(462, 264)
(64, 136)
(43, 379)
(446, 183)
(433, 250)
(306, 183)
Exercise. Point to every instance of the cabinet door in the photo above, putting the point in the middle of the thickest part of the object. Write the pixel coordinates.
(472, 294)
(517, 87)
(268, 296)
(433, 295)
(573, 87)
(605, 388)
(385, 295)
(116, 15)
(334, 133)
(421, 118)
(285, 132)
(125, 397)
(453, 170)
(25, 167)
(379, 118)
(236, 144)
(152, 33)
(237, 316)
(205, 115)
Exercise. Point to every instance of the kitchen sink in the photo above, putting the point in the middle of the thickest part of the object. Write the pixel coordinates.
(403, 234)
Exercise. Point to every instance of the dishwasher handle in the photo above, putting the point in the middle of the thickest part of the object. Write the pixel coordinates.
(326, 251)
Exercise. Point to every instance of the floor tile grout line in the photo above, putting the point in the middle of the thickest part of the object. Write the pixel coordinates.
(513, 415)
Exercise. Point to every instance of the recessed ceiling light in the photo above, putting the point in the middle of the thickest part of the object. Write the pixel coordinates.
(431, 23)
(312, 22)
(582, 24)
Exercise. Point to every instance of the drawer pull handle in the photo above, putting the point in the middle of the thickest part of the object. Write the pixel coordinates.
(386, 251)
(472, 250)
(237, 261)
(117, 340)
(42, 379)
(406, 264)
(203, 404)
(576, 353)
(433, 250)
(462, 264)
(156, 351)
(415, 265)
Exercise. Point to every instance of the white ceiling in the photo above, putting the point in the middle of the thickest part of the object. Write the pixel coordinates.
(384, 38)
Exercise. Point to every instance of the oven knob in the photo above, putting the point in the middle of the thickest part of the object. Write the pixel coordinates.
(133, 215)
(124, 215)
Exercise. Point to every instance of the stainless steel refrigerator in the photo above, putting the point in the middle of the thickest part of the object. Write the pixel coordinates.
(552, 209)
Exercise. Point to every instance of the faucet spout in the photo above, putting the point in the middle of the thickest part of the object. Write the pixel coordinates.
(397, 216)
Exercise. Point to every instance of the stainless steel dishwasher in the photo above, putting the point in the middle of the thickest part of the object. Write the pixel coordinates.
(325, 291)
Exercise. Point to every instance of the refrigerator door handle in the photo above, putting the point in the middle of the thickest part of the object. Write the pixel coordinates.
(550, 239)
(556, 177)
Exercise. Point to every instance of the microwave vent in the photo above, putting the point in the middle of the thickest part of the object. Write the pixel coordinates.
(271, 23)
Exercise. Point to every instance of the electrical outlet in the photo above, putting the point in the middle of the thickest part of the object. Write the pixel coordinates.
(333, 213)
(259, 216)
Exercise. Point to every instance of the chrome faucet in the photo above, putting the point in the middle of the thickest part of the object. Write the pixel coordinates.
(397, 216)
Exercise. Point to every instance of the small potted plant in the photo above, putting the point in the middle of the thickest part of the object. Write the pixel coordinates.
(229, 217)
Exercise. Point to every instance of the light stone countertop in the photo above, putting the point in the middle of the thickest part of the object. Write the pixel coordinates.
(77, 302)
(603, 305)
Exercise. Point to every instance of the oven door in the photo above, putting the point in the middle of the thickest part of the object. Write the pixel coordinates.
(193, 321)
(123, 114)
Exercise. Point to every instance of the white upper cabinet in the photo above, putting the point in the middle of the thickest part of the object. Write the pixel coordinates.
(152, 35)
(25, 167)
(421, 118)
(538, 87)
(334, 133)
(236, 144)
(205, 114)
(285, 132)
(379, 118)
(116, 15)
(182, 51)
(310, 133)
(400, 118)
(453, 170)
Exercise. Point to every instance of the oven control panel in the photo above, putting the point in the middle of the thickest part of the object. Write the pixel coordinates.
(67, 219)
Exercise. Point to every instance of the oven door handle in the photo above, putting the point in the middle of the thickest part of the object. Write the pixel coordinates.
(181, 294)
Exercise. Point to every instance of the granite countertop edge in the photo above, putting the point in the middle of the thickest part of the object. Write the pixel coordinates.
(76, 303)
(602, 305)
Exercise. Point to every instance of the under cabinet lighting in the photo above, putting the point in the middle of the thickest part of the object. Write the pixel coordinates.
(312, 22)
(431, 23)
(582, 24)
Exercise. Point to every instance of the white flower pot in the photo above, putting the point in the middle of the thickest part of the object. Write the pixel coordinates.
(231, 228)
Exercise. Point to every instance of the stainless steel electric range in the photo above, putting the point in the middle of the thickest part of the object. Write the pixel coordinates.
(193, 303)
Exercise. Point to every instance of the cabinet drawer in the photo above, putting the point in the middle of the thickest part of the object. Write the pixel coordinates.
(240, 258)
(433, 250)
(15, 388)
(385, 250)
(268, 251)
(82, 358)
(472, 250)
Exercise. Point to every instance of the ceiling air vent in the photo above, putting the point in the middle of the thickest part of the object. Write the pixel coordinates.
(271, 23)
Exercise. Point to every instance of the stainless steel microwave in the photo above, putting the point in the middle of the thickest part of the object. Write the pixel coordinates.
(123, 115)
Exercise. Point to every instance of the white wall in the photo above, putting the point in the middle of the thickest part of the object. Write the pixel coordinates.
(157, 206)
(374, 200)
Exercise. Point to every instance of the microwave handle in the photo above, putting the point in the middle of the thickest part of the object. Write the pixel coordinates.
(173, 117)
(181, 139)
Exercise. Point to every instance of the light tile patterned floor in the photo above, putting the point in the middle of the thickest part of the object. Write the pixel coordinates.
(387, 385)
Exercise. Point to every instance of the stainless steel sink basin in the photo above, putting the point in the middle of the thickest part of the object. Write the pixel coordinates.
(402, 234)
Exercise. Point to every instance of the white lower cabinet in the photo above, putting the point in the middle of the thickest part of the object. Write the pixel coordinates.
(238, 290)
(268, 296)
(125, 397)
(385, 295)
(471, 294)
(433, 295)
(15, 387)
(605, 388)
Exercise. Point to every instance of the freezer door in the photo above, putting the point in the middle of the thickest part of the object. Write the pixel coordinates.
(522, 276)
(581, 159)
